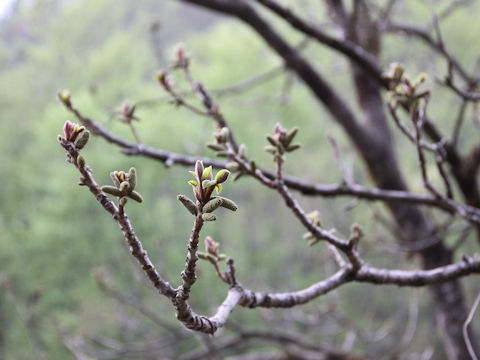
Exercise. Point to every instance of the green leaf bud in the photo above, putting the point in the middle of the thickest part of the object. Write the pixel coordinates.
(136, 196)
(212, 205)
(112, 190)
(228, 204)
(125, 187)
(218, 188)
(242, 151)
(206, 173)
(253, 166)
(123, 201)
(80, 161)
(132, 178)
(82, 140)
(272, 140)
(202, 255)
(209, 217)
(216, 147)
(290, 135)
(189, 204)
(293, 147)
(193, 183)
(208, 183)
(224, 132)
(115, 179)
(270, 149)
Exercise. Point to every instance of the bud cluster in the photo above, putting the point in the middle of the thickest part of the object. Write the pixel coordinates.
(402, 89)
(124, 188)
(203, 186)
(281, 141)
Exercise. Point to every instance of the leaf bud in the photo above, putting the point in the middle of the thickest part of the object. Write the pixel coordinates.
(80, 161)
(132, 178)
(212, 205)
(82, 140)
(136, 196)
(211, 246)
(112, 190)
(222, 176)
(209, 217)
(189, 204)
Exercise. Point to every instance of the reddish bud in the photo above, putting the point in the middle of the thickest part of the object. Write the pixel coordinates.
(180, 53)
(211, 246)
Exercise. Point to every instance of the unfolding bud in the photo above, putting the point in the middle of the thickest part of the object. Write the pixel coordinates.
(72, 130)
(315, 217)
(207, 173)
(127, 110)
(164, 80)
(80, 161)
(208, 183)
(65, 97)
(199, 169)
(221, 135)
(121, 176)
(189, 204)
(180, 55)
(211, 246)
(357, 231)
(280, 132)
(222, 176)
(82, 140)
(209, 217)
(113, 176)
(212, 205)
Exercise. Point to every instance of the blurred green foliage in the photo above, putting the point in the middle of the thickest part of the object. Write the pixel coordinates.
(53, 233)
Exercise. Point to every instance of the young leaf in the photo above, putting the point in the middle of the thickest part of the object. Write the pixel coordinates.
(82, 140)
(115, 179)
(228, 204)
(209, 217)
(212, 205)
(136, 196)
(206, 173)
(189, 204)
(112, 190)
(132, 178)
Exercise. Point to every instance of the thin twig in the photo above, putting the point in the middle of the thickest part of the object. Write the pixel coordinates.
(467, 322)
